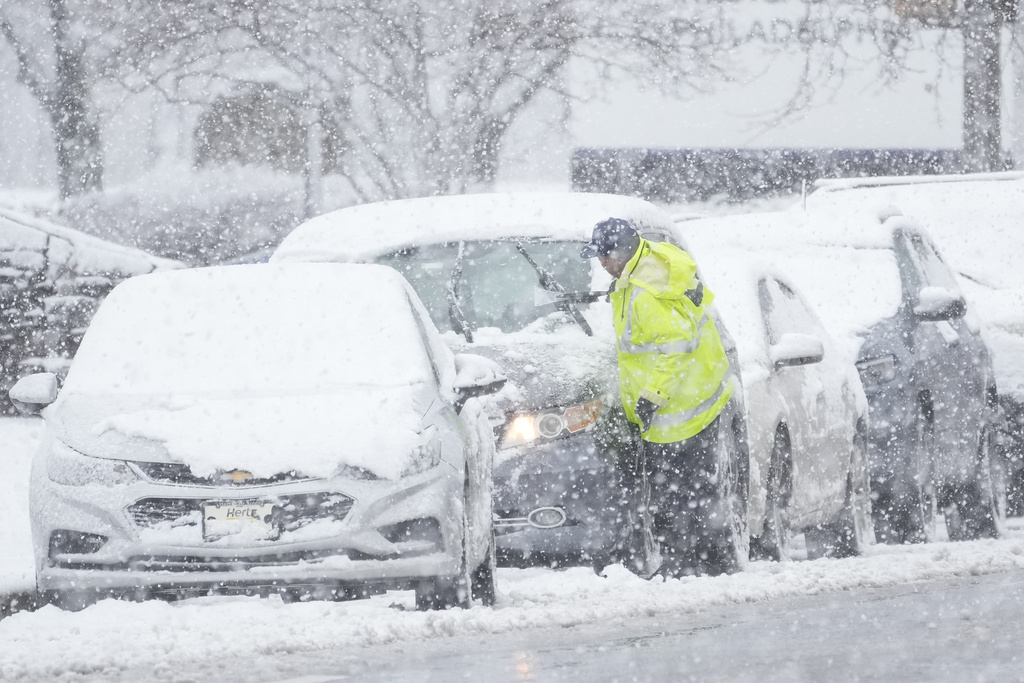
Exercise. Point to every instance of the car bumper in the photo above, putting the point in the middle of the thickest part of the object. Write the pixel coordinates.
(571, 476)
(346, 550)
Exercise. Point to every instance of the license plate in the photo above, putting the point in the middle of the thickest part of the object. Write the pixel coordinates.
(246, 519)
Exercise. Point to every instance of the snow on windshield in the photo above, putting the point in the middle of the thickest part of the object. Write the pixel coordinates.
(253, 331)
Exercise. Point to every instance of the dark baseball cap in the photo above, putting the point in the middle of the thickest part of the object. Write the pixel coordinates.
(611, 234)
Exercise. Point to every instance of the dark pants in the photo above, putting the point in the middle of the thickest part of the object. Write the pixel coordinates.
(685, 513)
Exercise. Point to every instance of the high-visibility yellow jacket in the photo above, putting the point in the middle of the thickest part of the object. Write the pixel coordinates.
(669, 349)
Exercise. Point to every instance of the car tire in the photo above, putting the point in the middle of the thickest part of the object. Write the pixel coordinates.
(482, 584)
(978, 508)
(773, 542)
(853, 530)
(71, 600)
(439, 593)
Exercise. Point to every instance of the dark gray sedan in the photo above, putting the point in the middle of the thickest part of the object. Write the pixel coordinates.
(502, 277)
(894, 305)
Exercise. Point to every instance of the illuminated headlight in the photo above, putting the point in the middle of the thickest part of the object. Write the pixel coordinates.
(70, 468)
(550, 424)
(877, 371)
(427, 454)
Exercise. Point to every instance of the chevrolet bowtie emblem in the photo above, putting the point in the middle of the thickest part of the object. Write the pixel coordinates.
(237, 476)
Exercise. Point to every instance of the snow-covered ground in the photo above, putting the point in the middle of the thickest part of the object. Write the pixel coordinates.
(112, 636)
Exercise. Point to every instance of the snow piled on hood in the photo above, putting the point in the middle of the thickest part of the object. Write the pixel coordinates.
(268, 368)
(365, 232)
(256, 330)
(372, 429)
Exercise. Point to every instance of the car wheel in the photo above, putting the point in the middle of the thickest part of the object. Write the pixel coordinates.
(773, 542)
(978, 508)
(482, 586)
(440, 593)
(71, 600)
(446, 592)
(853, 530)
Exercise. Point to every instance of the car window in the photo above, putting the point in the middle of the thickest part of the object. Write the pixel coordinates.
(495, 285)
(784, 311)
(920, 264)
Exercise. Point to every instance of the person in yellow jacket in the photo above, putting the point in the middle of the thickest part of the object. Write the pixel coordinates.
(674, 380)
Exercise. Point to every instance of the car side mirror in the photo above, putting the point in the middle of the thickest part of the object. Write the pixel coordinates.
(938, 303)
(475, 376)
(796, 349)
(33, 393)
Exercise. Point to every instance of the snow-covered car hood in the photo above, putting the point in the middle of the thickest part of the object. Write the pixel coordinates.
(376, 429)
(547, 367)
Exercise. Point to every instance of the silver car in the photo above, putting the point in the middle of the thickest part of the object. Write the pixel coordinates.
(296, 429)
(806, 409)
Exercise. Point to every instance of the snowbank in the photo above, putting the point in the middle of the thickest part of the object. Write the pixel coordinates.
(114, 636)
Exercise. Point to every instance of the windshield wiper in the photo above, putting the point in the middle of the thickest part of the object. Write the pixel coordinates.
(455, 313)
(562, 303)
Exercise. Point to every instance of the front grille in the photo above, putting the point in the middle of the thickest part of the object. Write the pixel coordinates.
(290, 512)
(177, 473)
(199, 563)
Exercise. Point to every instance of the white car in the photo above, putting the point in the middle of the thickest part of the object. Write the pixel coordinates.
(806, 409)
(295, 429)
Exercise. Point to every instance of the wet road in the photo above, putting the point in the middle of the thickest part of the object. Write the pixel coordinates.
(961, 629)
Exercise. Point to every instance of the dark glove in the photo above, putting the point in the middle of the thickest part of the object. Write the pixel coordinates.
(645, 411)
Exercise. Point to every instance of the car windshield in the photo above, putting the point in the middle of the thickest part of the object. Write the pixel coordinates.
(253, 330)
(497, 286)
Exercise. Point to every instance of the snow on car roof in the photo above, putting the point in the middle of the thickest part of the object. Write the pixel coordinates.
(89, 254)
(733, 275)
(364, 232)
(295, 328)
(844, 268)
(974, 219)
(976, 222)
